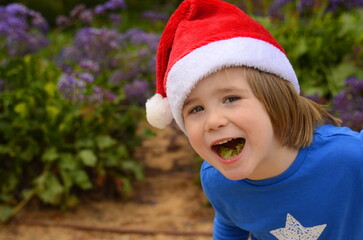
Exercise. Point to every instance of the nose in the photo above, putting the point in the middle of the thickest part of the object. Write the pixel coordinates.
(215, 120)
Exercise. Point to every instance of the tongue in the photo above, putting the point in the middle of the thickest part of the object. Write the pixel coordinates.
(231, 149)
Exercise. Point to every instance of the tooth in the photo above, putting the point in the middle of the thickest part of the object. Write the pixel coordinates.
(224, 141)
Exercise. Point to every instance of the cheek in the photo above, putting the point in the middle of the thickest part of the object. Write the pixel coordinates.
(195, 139)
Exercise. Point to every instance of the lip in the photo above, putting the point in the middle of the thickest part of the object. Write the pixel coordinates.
(229, 160)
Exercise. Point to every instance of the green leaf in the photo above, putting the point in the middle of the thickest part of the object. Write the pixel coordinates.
(85, 143)
(50, 155)
(81, 178)
(67, 179)
(28, 193)
(4, 149)
(88, 157)
(49, 189)
(50, 88)
(5, 213)
(133, 167)
(67, 161)
(21, 109)
(71, 201)
(105, 141)
(52, 111)
(301, 48)
(148, 133)
(122, 152)
(126, 186)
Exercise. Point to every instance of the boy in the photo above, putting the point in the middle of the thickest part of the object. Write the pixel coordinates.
(272, 169)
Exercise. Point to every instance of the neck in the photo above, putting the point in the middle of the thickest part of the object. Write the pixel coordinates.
(282, 159)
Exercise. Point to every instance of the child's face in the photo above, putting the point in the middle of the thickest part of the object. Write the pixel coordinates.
(222, 107)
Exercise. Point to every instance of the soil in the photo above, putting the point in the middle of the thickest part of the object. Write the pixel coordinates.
(168, 204)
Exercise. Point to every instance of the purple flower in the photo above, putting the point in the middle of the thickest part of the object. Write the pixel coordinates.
(67, 57)
(117, 77)
(16, 9)
(115, 5)
(2, 85)
(277, 5)
(305, 5)
(96, 96)
(86, 17)
(348, 104)
(137, 91)
(99, 9)
(22, 43)
(22, 29)
(89, 65)
(110, 96)
(62, 21)
(71, 88)
(109, 6)
(99, 95)
(87, 77)
(155, 16)
(38, 21)
(137, 36)
(115, 19)
(97, 44)
(77, 10)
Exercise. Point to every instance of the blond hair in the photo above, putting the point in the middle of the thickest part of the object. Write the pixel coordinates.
(293, 117)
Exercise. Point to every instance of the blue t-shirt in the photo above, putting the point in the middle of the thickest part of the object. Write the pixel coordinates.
(319, 197)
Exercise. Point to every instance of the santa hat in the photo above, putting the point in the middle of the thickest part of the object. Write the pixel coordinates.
(202, 37)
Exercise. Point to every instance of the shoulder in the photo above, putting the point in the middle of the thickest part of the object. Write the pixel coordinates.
(329, 134)
(340, 143)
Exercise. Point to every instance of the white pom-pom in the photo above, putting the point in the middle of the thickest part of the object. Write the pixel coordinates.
(158, 112)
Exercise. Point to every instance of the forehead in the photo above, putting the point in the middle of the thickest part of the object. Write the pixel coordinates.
(229, 80)
(223, 80)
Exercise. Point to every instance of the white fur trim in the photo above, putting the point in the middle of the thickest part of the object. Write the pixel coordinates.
(203, 61)
(158, 112)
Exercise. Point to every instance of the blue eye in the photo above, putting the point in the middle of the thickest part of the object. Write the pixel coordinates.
(231, 99)
(197, 109)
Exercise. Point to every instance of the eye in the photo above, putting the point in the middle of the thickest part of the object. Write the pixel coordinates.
(231, 99)
(197, 109)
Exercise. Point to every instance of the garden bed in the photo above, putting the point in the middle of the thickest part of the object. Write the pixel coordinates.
(167, 204)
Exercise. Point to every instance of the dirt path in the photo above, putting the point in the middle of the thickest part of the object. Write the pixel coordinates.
(168, 204)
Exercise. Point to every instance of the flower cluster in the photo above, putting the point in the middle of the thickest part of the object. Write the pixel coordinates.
(344, 4)
(86, 16)
(91, 48)
(73, 87)
(155, 16)
(305, 5)
(348, 104)
(126, 60)
(22, 31)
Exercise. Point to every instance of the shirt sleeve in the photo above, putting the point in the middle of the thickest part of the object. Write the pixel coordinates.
(227, 231)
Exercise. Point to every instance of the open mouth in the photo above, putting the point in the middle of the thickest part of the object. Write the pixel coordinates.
(229, 148)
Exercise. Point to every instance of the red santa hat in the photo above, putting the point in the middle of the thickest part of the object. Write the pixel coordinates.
(202, 37)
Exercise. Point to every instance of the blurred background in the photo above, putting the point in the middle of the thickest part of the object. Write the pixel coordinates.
(75, 75)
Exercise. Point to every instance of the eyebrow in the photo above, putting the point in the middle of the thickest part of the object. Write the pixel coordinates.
(189, 102)
(231, 90)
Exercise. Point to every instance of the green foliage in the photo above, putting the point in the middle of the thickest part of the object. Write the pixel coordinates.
(52, 149)
(324, 47)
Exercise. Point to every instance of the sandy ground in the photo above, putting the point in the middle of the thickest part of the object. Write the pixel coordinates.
(167, 204)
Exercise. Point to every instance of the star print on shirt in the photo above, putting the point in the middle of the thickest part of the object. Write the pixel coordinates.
(293, 230)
